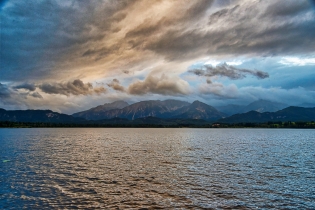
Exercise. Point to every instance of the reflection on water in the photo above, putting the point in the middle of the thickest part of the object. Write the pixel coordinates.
(157, 168)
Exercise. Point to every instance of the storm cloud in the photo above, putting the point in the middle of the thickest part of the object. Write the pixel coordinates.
(115, 84)
(37, 36)
(165, 85)
(120, 34)
(225, 70)
(26, 86)
(148, 45)
(4, 91)
(76, 87)
(35, 95)
(247, 28)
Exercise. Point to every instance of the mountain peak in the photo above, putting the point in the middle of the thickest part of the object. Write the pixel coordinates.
(94, 113)
(199, 110)
(197, 102)
(155, 108)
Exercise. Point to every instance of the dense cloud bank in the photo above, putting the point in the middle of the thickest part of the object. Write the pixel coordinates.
(54, 38)
(76, 87)
(115, 84)
(164, 85)
(225, 70)
(4, 91)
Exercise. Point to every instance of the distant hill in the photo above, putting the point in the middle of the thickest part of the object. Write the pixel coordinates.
(288, 114)
(97, 112)
(36, 116)
(263, 106)
(258, 106)
(230, 109)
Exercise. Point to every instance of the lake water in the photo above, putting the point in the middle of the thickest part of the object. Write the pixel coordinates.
(125, 168)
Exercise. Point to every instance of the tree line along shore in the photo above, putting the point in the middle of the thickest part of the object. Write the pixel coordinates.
(9, 124)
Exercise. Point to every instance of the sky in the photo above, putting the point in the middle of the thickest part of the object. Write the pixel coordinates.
(71, 55)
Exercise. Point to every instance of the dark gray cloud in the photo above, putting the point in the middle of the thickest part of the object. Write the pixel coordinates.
(225, 70)
(244, 29)
(4, 91)
(102, 52)
(143, 36)
(26, 86)
(197, 10)
(76, 87)
(148, 28)
(11, 97)
(35, 95)
(115, 84)
(289, 8)
(163, 85)
(36, 36)
(179, 45)
(44, 39)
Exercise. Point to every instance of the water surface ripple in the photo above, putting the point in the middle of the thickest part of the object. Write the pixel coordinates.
(157, 169)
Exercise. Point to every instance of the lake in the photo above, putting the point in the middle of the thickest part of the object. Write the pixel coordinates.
(152, 168)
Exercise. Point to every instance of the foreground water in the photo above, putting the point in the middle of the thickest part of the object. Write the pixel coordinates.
(157, 168)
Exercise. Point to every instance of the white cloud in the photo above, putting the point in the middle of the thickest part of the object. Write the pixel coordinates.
(234, 63)
(218, 62)
(212, 62)
(295, 61)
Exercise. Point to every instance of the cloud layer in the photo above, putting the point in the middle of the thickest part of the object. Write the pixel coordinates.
(115, 84)
(26, 86)
(143, 48)
(164, 85)
(225, 70)
(76, 87)
(4, 91)
(60, 38)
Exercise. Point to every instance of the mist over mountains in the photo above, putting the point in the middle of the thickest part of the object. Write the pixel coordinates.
(294, 114)
(259, 106)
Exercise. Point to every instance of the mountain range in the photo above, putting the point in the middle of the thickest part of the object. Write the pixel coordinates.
(174, 109)
(153, 108)
(291, 113)
(167, 112)
(97, 113)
